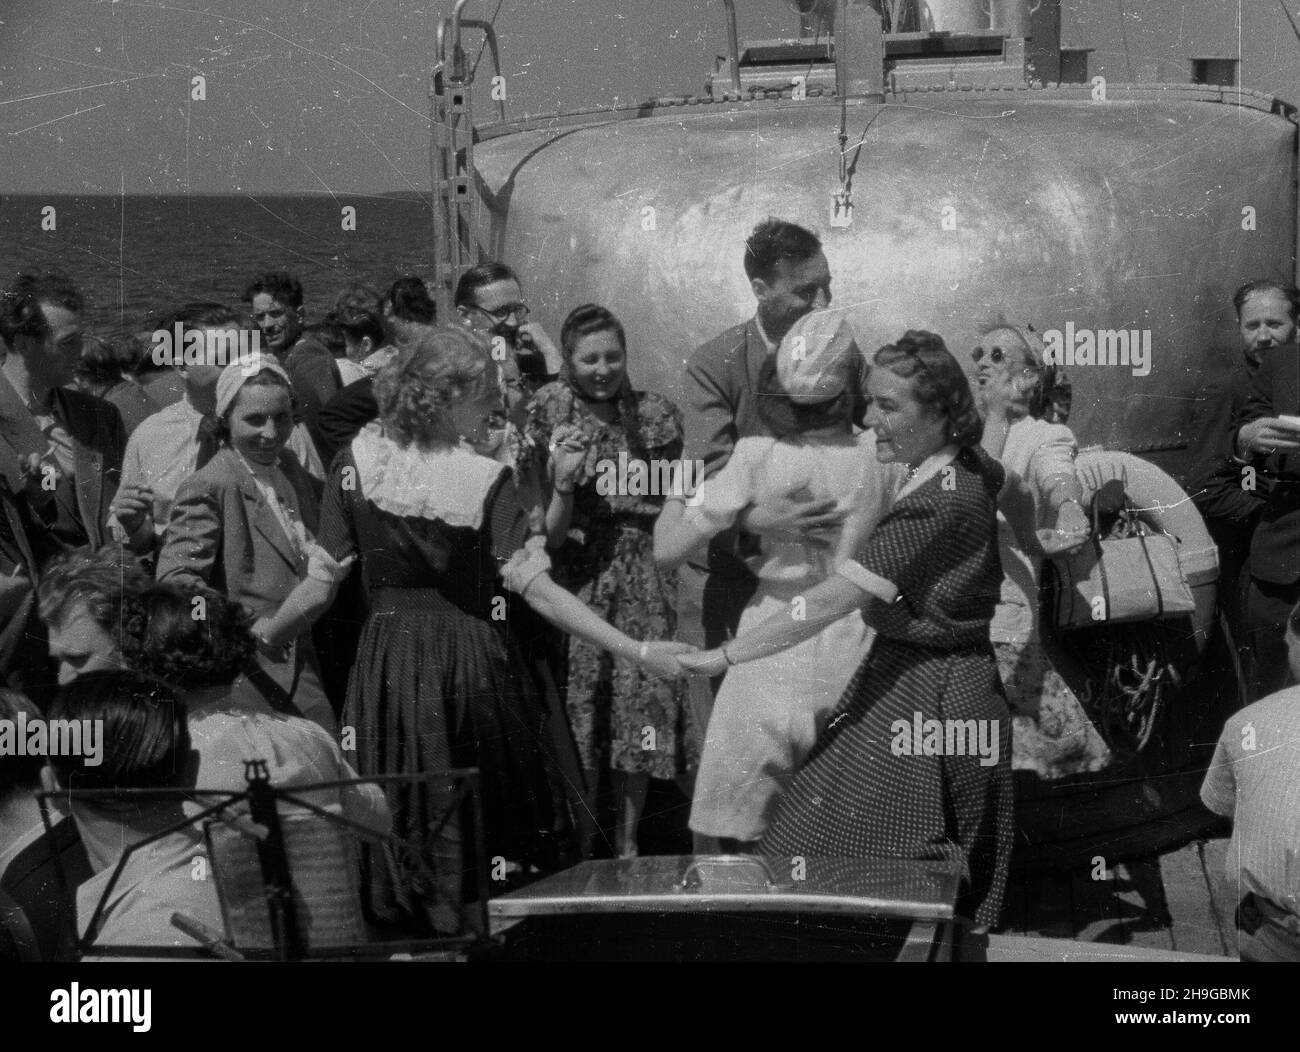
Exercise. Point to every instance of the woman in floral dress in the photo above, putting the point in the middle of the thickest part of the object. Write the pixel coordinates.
(609, 444)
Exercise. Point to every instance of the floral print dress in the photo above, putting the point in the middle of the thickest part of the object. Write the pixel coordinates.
(620, 715)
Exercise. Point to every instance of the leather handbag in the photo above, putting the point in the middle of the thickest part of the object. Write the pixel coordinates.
(1131, 575)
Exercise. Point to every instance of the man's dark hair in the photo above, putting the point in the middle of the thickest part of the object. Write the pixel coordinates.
(409, 300)
(146, 738)
(204, 314)
(358, 296)
(101, 362)
(19, 773)
(20, 312)
(774, 240)
(163, 637)
(279, 285)
(1287, 291)
(480, 277)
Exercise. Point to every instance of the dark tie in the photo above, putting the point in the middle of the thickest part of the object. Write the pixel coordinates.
(207, 438)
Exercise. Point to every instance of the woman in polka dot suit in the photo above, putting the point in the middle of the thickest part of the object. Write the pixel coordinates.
(928, 581)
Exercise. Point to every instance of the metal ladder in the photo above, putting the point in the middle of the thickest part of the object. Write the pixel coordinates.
(451, 156)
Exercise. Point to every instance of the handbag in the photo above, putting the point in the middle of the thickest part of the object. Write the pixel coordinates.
(1132, 574)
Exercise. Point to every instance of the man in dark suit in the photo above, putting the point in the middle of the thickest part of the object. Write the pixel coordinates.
(60, 451)
(79, 439)
(789, 276)
(1268, 443)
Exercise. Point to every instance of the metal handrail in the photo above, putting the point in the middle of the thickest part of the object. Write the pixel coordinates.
(733, 44)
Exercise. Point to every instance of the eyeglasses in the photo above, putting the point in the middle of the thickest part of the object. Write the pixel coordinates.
(519, 310)
(997, 356)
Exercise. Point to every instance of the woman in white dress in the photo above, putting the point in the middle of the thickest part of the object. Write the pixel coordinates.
(768, 713)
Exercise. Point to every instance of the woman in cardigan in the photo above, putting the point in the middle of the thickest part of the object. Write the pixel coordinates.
(927, 580)
(1025, 431)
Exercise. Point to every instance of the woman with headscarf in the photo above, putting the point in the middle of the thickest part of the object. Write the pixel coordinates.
(245, 525)
(600, 527)
(1026, 402)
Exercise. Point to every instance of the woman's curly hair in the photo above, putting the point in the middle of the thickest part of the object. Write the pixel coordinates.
(937, 381)
(188, 637)
(438, 369)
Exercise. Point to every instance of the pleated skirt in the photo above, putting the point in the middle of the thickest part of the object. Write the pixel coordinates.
(435, 688)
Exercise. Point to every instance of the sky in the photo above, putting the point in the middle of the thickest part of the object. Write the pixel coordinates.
(96, 96)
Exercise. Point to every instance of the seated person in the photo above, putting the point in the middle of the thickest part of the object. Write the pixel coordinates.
(147, 747)
(200, 658)
(1254, 779)
(33, 908)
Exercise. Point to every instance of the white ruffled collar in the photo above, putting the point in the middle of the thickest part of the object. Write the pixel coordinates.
(450, 484)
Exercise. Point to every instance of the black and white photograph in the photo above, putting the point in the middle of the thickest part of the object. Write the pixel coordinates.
(581, 482)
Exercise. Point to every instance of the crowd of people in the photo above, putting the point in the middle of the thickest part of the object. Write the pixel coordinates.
(385, 544)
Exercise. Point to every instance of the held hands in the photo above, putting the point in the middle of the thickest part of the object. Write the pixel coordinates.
(661, 659)
(323, 567)
(705, 663)
(1269, 435)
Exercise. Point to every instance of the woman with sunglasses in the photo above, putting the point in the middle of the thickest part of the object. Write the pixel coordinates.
(927, 580)
(1022, 402)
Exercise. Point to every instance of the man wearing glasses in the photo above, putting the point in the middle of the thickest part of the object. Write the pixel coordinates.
(489, 301)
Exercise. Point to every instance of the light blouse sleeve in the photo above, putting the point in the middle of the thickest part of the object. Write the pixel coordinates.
(718, 502)
(1052, 460)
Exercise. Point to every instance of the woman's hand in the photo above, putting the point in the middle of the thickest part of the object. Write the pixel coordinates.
(1071, 531)
(705, 663)
(323, 567)
(661, 659)
(568, 457)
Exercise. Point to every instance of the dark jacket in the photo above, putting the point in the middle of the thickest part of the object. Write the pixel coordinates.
(1275, 547)
(344, 416)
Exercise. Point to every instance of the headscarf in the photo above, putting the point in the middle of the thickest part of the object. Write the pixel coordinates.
(1051, 402)
(237, 373)
(814, 360)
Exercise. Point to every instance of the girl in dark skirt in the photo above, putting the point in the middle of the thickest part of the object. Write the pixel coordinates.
(440, 680)
(915, 762)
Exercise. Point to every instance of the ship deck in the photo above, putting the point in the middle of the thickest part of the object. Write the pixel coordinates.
(1178, 903)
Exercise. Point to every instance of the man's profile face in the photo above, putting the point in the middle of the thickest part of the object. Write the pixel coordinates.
(796, 288)
(52, 362)
(280, 323)
(202, 376)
